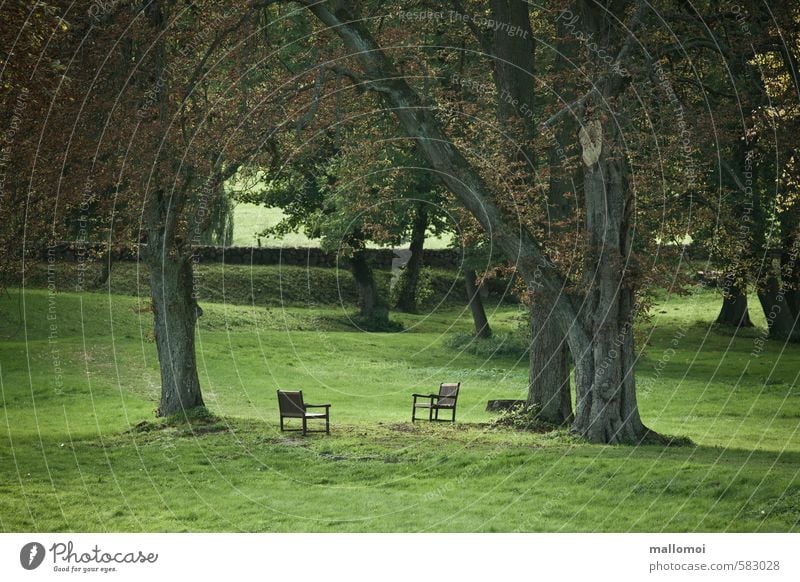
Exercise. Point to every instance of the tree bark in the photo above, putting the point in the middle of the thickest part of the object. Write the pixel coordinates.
(370, 303)
(734, 310)
(407, 296)
(548, 385)
(549, 373)
(175, 314)
(101, 278)
(781, 321)
(602, 340)
(482, 329)
(174, 304)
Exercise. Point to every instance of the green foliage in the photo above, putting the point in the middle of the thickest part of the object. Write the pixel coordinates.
(375, 323)
(220, 225)
(521, 417)
(425, 287)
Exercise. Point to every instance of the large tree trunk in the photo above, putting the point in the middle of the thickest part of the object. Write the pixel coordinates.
(734, 305)
(370, 303)
(602, 340)
(407, 296)
(175, 314)
(790, 274)
(606, 408)
(482, 329)
(549, 377)
(548, 386)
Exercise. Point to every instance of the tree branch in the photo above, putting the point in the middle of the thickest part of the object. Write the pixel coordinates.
(461, 178)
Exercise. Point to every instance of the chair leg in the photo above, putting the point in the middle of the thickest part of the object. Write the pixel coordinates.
(454, 414)
(327, 424)
(413, 411)
(281, 424)
(430, 414)
(436, 417)
(305, 426)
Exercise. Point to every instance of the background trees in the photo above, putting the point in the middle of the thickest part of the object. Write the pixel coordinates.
(584, 165)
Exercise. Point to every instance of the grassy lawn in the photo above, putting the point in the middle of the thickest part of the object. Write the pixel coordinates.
(249, 220)
(79, 450)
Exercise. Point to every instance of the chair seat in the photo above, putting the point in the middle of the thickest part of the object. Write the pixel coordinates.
(315, 415)
(446, 399)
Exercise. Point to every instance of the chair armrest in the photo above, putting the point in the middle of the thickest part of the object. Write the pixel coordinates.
(318, 405)
(425, 395)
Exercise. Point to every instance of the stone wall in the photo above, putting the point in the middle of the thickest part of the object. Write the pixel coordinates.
(301, 257)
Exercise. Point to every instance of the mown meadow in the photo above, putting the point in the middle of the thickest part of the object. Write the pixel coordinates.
(81, 450)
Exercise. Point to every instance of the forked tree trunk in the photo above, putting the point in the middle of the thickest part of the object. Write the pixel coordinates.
(482, 329)
(548, 385)
(407, 296)
(734, 304)
(175, 316)
(601, 341)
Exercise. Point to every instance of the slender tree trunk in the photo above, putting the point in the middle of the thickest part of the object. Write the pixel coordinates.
(548, 386)
(482, 329)
(407, 297)
(734, 305)
(175, 315)
(175, 309)
(370, 303)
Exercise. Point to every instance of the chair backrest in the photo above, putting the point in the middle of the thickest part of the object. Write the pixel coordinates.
(291, 403)
(448, 394)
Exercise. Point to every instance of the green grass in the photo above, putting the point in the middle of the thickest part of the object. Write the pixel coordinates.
(250, 220)
(80, 450)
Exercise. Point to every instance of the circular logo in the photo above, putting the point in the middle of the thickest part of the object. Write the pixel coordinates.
(31, 555)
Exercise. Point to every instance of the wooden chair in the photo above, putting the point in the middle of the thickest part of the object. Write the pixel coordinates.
(446, 399)
(291, 405)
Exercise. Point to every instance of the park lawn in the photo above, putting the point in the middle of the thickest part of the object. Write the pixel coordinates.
(80, 450)
(250, 220)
